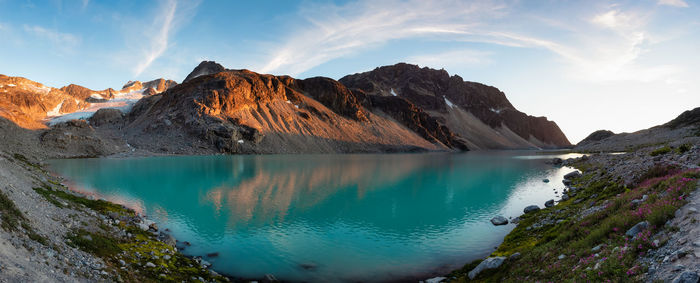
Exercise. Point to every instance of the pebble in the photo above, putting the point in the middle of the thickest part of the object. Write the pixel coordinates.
(150, 264)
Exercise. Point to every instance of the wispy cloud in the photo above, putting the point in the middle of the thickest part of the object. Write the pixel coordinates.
(674, 3)
(606, 47)
(60, 40)
(163, 25)
(337, 31)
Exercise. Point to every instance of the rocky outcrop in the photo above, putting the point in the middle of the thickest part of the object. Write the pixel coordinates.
(596, 136)
(204, 68)
(478, 113)
(106, 116)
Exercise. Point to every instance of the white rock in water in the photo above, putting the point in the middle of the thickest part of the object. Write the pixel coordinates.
(435, 280)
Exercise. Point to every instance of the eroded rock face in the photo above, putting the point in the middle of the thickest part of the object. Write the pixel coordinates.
(334, 95)
(438, 94)
(417, 120)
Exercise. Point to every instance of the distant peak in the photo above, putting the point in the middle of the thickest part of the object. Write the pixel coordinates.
(204, 68)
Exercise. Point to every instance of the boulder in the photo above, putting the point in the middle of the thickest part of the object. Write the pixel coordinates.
(549, 203)
(564, 197)
(514, 256)
(572, 175)
(499, 220)
(489, 263)
(531, 208)
(566, 182)
(687, 277)
(636, 229)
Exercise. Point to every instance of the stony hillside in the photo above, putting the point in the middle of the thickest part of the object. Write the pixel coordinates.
(683, 129)
(480, 114)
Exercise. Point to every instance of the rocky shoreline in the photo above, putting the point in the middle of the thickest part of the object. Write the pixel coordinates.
(639, 216)
(50, 233)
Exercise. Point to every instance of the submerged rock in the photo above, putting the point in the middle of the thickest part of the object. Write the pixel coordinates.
(531, 208)
(489, 263)
(435, 280)
(499, 220)
(545, 180)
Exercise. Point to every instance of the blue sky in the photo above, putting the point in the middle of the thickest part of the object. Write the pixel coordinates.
(588, 65)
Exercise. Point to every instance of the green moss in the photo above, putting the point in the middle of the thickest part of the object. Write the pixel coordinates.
(660, 151)
(101, 206)
(26, 161)
(684, 148)
(47, 194)
(94, 243)
(12, 218)
(10, 215)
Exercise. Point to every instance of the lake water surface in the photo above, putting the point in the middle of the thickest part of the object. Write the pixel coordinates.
(327, 217)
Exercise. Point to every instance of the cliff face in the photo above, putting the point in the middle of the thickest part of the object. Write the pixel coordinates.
(480, 114)
(239, 111)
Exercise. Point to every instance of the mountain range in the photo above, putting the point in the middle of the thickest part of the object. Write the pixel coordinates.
(398, 108)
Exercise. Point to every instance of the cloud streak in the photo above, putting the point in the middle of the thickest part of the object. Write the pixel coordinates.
(674, 3)
(164, 25)
(604, 48)
(337, 31)
(59, 39)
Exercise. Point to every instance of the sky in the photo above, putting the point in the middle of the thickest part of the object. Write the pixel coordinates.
(587, 65)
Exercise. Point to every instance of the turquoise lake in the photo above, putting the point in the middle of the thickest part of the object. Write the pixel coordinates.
(354, 217)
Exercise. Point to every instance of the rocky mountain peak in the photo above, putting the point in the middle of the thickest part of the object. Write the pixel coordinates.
(451, 100)
(204, 68)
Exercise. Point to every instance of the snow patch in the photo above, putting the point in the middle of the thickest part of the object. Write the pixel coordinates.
(297, 106)
(448, 102)
(240, 141)
(496, 110)
(56, 110)
(289, 102)
(11, 85)
(97, 96)
(393, 92)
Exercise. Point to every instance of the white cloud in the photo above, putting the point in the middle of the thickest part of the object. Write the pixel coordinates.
(59, 39)
(674, 3)
(606, 48)
(337, 31)
(158, 43)
(451, 59)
